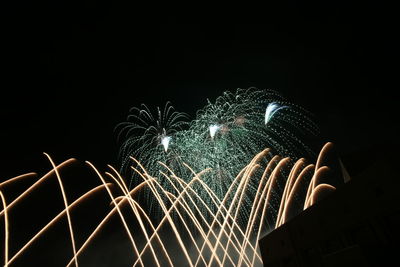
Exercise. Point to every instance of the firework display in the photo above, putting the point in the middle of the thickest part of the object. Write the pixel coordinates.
(223, 138)
(213, 238)
(211, 186)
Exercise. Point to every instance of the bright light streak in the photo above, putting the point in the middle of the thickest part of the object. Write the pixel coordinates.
(214, 129)
(272, 108)
(6, 232)
(165, 142)
(217, 237)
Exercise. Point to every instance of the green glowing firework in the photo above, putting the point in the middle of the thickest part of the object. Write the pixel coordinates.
(149, 138)
(223, 138)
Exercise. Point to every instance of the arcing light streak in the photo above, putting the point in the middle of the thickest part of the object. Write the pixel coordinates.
(6, 233)
(36, 184)
(17, 178)
(271, 109)
(216, 235)
(55, 220)
(118, 209)
(224, 136)
(71, 231)
(147, 136)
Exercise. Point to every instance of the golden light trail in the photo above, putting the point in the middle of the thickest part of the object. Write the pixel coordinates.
(254, 167)
(118, 209)
(210, 229)
(313, 184)
(292, 192)
(167, 214)
(104, 221)
(221, 206)
(17, 178)
(318, 190)
(138, 217)
(241, 184)
(156, 234)
(71, 231)
(214, 200)
(267, 191)
(257, 202)
(135, 206)
(36, 184)
(183, 184)
(189, 212)
(292, 177)
(55, 220)
(6, 233)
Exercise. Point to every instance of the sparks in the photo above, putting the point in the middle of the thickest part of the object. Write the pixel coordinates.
(214, 129)
(214, 237)
(272, 108)
(165, 142)
(225, 134)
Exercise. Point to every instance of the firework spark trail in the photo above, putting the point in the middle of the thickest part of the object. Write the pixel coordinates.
(219, 211)
(224, 136)
(105, 220)
(183, 184)
(267, 189)
(188, 187)
(161, 223)
(325, 149)
(17, 178)
(318, 189)
(145, 176)
(71, 231)
(295, 188)
(314, 183)
(295, 169)
(198, 227)
(191, 214)
(291, 193)
(182, 193)
(208, 202)
(221, 207)
(55, 220)
(193, 218)
(294, 174)
(241, 184)
(144, 133)
(36, 184)
(6, 233)
(118, 209)
(242, 193)
(215, 219)
(135, 211)
(257, 202)
(134, 205)
(186, 202)
(234, 242)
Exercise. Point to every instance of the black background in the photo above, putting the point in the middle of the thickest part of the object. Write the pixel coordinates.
(71, 71)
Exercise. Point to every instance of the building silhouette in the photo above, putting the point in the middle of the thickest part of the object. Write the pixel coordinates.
(357, 225)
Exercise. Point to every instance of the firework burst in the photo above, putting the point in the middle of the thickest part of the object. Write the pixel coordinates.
(215, 237)
(149, 137)
(223, 138)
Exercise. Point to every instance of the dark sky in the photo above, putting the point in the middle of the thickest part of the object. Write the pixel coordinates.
(72, 71)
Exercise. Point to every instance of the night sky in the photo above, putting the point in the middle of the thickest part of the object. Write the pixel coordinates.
(72, 71)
